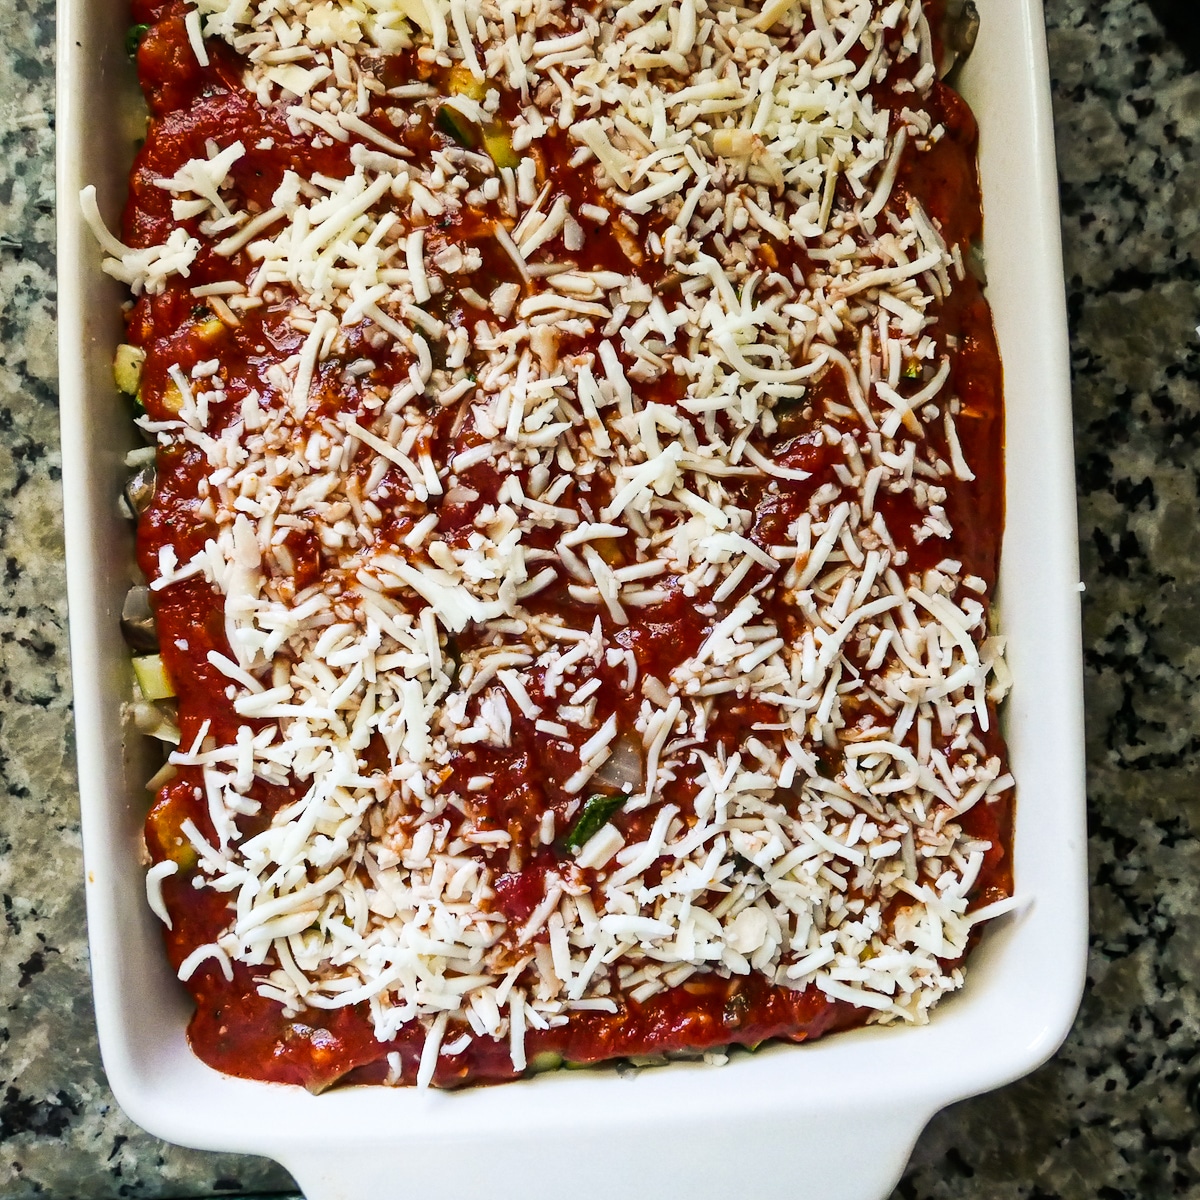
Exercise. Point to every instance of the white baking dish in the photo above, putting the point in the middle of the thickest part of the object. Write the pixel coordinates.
(835, 1119)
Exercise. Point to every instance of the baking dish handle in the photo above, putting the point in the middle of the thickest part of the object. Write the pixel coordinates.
(840, 1156)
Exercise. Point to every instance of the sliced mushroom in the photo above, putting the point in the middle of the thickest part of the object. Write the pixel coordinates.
(139, 491)
(159, 720)
(960, 29)
(138, 626)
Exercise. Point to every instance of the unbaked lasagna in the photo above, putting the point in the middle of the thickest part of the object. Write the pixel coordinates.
(569, 526)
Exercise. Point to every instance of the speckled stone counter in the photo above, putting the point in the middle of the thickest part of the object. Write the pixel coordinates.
(1115, 1114)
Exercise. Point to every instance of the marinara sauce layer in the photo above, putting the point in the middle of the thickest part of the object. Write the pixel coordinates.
(578, 489)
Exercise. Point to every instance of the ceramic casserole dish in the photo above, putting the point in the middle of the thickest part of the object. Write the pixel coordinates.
(835, 1119)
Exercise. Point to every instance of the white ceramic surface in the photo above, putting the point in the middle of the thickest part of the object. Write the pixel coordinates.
(832, 1121)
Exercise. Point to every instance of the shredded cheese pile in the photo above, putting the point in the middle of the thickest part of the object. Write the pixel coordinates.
(731, 126)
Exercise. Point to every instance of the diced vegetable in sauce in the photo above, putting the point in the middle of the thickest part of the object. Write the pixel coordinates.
(127, 368)
(595, 814)
(151, 674)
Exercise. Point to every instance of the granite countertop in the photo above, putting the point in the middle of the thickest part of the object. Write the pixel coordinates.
(1114, 1114)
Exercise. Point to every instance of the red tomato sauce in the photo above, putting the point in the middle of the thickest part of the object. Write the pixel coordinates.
(234, 1029)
